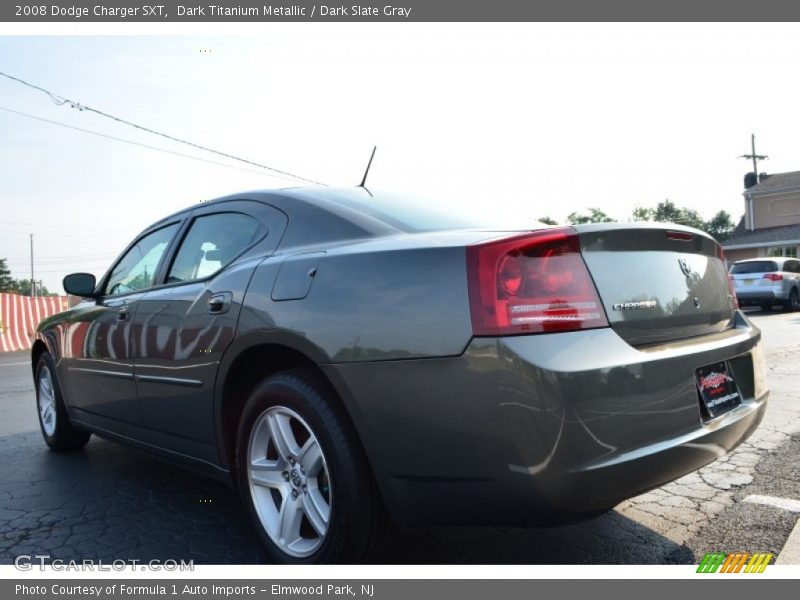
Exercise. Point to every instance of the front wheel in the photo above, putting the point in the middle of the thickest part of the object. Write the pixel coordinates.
(58, 432)
(303, 474)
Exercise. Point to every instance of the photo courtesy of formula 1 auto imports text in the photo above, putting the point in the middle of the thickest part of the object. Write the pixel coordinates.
(390, 300)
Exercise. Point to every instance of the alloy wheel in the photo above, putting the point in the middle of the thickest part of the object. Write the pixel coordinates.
(47, 401)
(289, 481)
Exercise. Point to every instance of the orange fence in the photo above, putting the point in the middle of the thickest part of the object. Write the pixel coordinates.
(19, 316)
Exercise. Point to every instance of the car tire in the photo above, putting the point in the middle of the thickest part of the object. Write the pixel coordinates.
(58, 432)
(304, 476)
(793, 302)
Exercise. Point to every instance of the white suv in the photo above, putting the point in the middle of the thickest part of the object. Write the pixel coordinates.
(765, 282)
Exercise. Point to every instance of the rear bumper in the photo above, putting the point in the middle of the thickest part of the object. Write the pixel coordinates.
(543, 429)
(749, 297)
(598, 486)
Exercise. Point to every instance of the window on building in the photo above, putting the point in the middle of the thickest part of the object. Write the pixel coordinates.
(783, 251)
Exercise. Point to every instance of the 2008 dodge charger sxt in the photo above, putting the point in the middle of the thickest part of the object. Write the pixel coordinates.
(349, 360)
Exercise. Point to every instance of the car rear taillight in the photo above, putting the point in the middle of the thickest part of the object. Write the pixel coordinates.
(773, 276)
(532, 283)
(681, 236)
(731, 288)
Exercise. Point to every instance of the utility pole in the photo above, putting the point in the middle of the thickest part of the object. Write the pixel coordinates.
(33, 281)
(753, 155)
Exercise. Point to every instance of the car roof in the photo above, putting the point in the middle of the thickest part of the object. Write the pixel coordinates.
(326, 213)
(765, 259)
(288, 200)
(276, 197)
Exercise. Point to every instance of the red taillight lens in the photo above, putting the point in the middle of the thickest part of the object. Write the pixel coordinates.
(731, 289)
(531, 283)
(773, 276)
(681, 236)
(734, 299)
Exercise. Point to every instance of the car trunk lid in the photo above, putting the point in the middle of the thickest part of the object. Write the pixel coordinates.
(658, 282)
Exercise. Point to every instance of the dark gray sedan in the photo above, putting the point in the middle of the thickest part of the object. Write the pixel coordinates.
(349, 360)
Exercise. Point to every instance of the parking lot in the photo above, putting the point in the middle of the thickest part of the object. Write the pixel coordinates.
(110, 502)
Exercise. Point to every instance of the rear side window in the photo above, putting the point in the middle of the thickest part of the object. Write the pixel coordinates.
(212, 242)
(757, 266)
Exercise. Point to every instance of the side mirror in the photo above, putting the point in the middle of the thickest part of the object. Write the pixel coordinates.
(80, 284)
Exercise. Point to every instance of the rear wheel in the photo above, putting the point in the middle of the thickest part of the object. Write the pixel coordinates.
(793, 302)
(58, 432)
(303, 474)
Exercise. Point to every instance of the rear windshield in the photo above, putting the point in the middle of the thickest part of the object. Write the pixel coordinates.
(411, 214)
(757, 266)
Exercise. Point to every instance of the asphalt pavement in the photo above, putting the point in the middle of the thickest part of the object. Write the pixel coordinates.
(111, 502)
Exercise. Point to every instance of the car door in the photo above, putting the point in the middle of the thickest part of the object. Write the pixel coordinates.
(793, 268)
(183, 326)
(100, 374)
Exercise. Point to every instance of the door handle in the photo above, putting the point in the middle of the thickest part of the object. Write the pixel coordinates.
(123, 314)
(219, 304)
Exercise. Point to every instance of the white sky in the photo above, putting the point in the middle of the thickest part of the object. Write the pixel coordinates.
(536, 119)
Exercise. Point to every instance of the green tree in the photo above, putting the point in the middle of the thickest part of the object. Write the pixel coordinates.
(641, 213)
(548, 221)
(23, 287)
(7, 283)
(720, 226)
(595, 216)
(667, 212)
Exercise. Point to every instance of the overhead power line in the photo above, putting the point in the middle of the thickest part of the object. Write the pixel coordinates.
(127, 141)
(61, 100)
(68, 270)
(59, 227)
(61, 259)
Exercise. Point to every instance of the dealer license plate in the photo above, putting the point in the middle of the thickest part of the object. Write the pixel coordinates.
(718, 391)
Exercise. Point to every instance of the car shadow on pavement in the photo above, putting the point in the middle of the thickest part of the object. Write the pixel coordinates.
(757, 312)
(610, 539)
(108, 502)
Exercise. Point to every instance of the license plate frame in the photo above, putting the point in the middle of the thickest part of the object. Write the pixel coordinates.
(717, 388)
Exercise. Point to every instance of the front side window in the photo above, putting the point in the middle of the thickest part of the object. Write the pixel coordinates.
(137, 269)
(212, 242)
